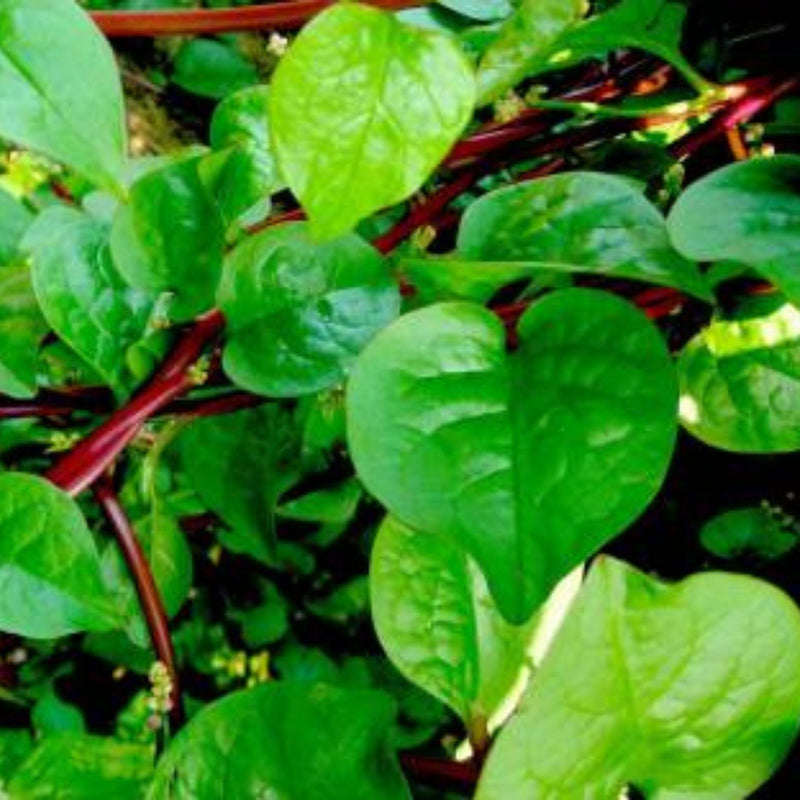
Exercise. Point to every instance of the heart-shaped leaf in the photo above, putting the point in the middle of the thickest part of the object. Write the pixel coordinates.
(50, 579)
(684, 691)
(288, 741)
(60, 91)
(81, 294)
(436, 621)
(530, 460)
(740, 383)
(392, 97)
(299, 312)
(747, 212)
(585, 222)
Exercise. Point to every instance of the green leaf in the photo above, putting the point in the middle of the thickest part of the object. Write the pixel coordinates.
(248, 745)
(60, 92)
(764, 532)
(393, 98)
(170, 238)
(335, 505)
(267, 622)
(240, 464)
(747, 212)
(52, 715)
(212, 69)
(524, 42)
(74, 767)
(240, 132)
(14, 221)
(21, 330)
(437, 623)
(530, 460)
(50, 580)
(740, 383)
(480, 10)
(585, 222)
(684, 691)
(82, 295)
(298, 312)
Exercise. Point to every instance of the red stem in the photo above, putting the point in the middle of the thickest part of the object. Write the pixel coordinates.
(760, 97)
(194, 21)
(216, 406)
(436, 772)
(149, 597)
(92, 456)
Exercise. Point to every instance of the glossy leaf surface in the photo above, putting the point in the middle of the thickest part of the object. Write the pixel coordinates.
(393, 98)
(288, 741)
(687, 691)
(531, 461)
(299, 312)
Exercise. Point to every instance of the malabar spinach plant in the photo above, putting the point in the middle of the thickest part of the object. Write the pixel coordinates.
(350, 356)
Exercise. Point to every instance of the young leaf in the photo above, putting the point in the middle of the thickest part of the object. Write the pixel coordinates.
(437, 623)
(740, 383)
(393, 98)
(170, 238)
(50, 580)
(248, 745)
(525, 41)
(240, 464)
(80, 767)
(747, 212)
(298, 312)
(21, 330)
(60, 92)
(82, 295)
(689, 691)
(762, 532)
(240, 131)
(530, 460)
(585, 222)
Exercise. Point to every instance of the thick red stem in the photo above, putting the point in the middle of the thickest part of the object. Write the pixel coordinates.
(149, 598)
(92, 456)
(195, 21)
(439, 773)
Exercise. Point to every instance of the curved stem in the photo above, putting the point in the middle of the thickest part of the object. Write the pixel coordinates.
(149, 598)
(193, 21)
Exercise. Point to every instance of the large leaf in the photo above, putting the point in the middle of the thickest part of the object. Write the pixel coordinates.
(288, 741)
(585, 222)
(531, 460)
(59, 88)
(170, 238)
(21, 331)
(525, 41)
(80, 767)
(248, 173)
(299, 313)
(240, 464)
(392, 99)
(50, 581)
(436, 621)
(82, 295)
(740, 383)
(684, 691)
(747, 212)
